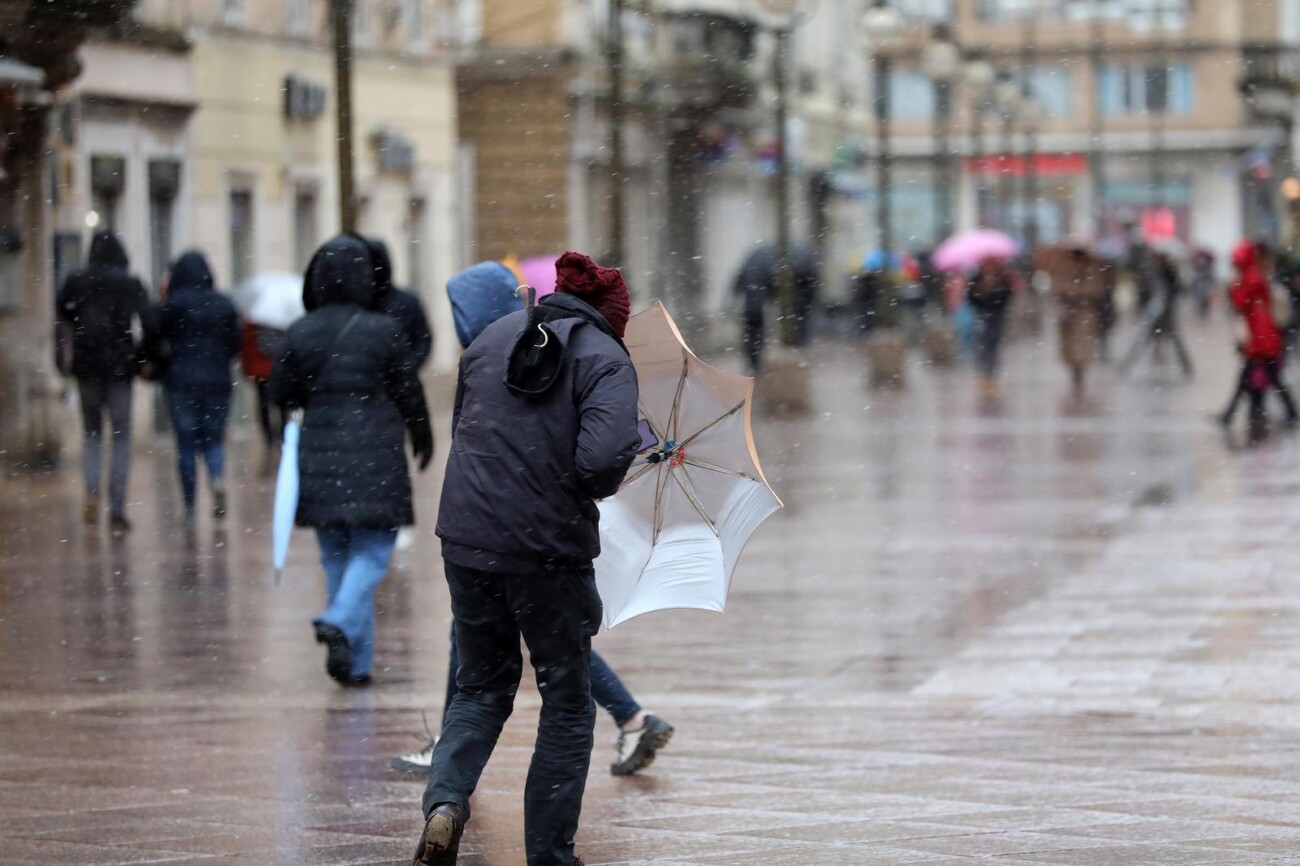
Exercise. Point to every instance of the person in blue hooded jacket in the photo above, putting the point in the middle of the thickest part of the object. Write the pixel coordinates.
(200, 330)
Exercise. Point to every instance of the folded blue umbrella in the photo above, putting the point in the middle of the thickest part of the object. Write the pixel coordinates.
(479, 296)
(286, 494)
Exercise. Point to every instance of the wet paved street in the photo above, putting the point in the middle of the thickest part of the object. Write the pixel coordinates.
(1039, 632)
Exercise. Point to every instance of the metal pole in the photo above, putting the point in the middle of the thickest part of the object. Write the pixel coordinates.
(617, 185)
(341, 13)
(1097, 153)
(784, 274)
(943, 158)
(884, 161)
(1004, 173)
(1158, 112)
(978, 157)
(1029, 35)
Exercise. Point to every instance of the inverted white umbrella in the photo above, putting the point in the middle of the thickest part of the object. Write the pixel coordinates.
(672, 535)
(272, 299)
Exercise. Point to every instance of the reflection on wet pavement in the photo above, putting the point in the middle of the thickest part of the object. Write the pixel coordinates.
(1037, 631)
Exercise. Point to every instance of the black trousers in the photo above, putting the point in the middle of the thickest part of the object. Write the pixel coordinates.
(556, 611)
(1273, 369)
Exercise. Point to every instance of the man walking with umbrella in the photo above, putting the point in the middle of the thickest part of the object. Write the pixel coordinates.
(545, 423)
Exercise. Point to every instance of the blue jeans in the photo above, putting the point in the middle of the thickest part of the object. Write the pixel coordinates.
(355, 561)
(199, 417)
(606, 688)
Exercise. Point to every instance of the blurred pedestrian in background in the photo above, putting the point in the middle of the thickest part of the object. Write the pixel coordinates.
(103, 303)
(757, 283)
(259, 347)
(354, 377)
(1263, 348)
(403, 306)
(1083, 284)
(1203, 282)
(989, 294)
(199, 330)
(545, 424)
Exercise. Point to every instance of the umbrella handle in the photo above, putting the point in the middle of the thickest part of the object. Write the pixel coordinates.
(529, 294)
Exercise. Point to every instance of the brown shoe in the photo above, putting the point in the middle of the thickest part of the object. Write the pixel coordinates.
(441, 839)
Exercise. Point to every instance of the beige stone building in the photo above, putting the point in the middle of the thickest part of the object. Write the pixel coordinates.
(1141, 121)
(211, 126)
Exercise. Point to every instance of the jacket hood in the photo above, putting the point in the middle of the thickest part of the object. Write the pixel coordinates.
(106, 251)
(383, 265)
(341, 272)
(190, 271)
(537, 356)
(1244, 256)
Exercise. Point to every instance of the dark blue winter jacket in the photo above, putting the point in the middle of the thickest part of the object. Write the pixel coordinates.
(545, 423)
(199, 328)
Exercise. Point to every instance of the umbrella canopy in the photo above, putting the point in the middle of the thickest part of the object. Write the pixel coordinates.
(539, 272)
(272, 299)
(672, 535)
(286, 495)
(965, 250)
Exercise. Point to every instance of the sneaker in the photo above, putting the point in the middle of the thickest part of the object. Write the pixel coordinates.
(636, 749)
(441, 839)
(90, 512)
(119, 524)
(338, 656)
(415, 763)
(218, 504)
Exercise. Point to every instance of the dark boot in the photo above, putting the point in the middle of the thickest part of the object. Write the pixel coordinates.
(441, 839)
(338, 656)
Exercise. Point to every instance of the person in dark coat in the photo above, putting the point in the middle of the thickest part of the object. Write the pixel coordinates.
(200, 329)
(989, 294)
(403, 306)
(479, 296)
(757, 283)
(544, 424)
(354, 377)
(102, 303)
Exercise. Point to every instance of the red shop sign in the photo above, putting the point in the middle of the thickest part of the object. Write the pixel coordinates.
(1014, 163)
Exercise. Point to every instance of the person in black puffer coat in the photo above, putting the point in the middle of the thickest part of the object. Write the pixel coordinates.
(100, 303)
(545, 423)
(200, 329)
(403, 306)
(354, 376)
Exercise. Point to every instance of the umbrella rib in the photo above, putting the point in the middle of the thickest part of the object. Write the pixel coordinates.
(646, 467)
(713, 467)
(715, 422)
(677, 399)
(688, 488)
(659, 501)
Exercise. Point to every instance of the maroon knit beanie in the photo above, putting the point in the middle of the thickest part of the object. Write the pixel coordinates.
(602, 288)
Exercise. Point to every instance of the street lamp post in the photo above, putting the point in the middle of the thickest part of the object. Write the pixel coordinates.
(1097, 154)
(1029, 115)
(980, 75)
(1006, 97)
(617, 170)
(341, 18)
(941, 60)
(882, 26)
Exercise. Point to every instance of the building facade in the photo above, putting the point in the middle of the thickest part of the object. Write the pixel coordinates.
(211, 126)
(1138, 119)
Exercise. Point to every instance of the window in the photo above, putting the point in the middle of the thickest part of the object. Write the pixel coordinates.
(241, 235)
(413, 20)
(1146, 88)
(1053, 88)
(164, 186)
(911, 95)
(298, 17)
(232, 11)
(107, 182)
(932, 10)
(305, 230)
(1170, 14)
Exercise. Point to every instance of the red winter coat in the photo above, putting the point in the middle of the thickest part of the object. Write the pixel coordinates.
(1254, 302)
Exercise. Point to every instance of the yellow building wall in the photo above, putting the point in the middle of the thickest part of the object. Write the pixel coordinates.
(242, 140)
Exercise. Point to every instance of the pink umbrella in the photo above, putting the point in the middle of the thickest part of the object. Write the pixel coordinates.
(539, 272)
(965, 250)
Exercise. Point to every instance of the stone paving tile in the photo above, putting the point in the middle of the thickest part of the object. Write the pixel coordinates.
(972, 629)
